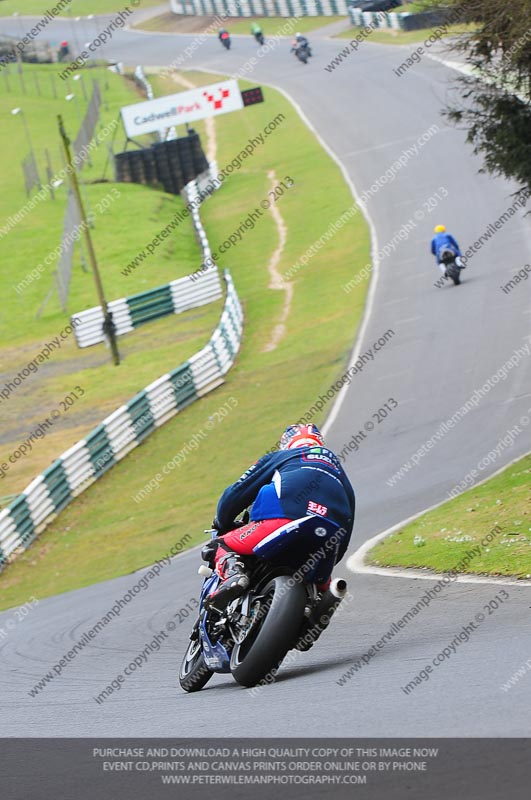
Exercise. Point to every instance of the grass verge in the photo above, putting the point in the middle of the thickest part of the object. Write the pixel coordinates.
(105, 533)
(173, 23)
(75, 8)
(384, 36)
(439, 539)
(126, 218)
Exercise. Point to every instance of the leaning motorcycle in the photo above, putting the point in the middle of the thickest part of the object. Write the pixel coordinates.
(303, 53)
(225, 40)
(453, 269)
(281, 610)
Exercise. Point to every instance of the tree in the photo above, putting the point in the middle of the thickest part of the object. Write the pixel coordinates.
(496, 99)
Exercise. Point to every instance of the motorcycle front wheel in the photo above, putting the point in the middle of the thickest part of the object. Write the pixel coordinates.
(194, 673)
(279, 617)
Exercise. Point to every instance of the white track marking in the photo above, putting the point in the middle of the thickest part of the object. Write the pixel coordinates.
(409, 319)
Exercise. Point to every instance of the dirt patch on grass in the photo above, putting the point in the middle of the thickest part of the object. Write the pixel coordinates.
(277, 281)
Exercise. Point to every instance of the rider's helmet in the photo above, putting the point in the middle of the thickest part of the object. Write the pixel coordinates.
(300, 436)
(299, 36)
(439, 229)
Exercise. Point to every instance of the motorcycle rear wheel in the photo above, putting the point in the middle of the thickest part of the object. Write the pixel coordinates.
(455, 275)
(262, 650)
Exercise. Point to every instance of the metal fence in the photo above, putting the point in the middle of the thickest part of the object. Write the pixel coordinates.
(90, 120)
(31, 173)
(63, 273)
(71, 223)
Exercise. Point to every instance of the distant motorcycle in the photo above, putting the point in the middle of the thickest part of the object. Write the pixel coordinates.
(453, 269)
(225, 39)
(259, 36)
(64, 54)
(302, 50)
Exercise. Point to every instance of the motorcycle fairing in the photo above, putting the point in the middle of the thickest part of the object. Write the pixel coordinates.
(302, 541)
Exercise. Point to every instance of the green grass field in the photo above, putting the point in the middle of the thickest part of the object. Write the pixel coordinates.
(384, 36)
(173, 23)
(132, 216)
(439, 539)
(105, 533)
(75, 8)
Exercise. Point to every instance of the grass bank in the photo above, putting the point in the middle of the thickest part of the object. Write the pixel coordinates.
(75, 8)
(125, 218)
(105, 532)
(390, 36)
(173, 23)
(440, 539)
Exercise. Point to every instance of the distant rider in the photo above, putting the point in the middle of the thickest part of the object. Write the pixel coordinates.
(300, 41)
(223, 34)
(256, 30)
(444, 241)
(303, 477)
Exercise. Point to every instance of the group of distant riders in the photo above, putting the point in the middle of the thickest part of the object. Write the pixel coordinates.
(443, 245)
(300, 45)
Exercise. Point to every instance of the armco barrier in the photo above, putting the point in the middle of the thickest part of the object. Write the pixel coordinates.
(180, 295)
(141, 80)
(131, 312)
(76, 469)
(404, 21)
(376, 19)
(261, 8)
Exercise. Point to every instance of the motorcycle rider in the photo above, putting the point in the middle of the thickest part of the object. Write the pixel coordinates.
(303, 477)
(223, 34)
(444, 241)
(300, 41)
(256, 30)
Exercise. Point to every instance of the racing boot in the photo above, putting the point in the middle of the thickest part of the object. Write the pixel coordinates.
(234, 581)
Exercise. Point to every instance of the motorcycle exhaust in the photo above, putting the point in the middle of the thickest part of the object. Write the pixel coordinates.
(329, 603)
(320, 617)
(338, 588)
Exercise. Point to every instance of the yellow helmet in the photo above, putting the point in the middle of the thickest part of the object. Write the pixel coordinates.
(440, 229)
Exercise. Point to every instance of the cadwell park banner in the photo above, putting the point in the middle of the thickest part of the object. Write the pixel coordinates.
(177, 109)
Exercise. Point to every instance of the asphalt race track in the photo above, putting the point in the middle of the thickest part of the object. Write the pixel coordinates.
(446, 344)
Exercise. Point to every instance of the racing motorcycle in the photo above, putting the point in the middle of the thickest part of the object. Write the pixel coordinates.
(281, 610)
(303, 52)
(453, 269)
(225, 39)
(259, 36)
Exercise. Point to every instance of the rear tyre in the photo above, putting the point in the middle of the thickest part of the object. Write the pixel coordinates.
(194, 673)
(264, 647)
